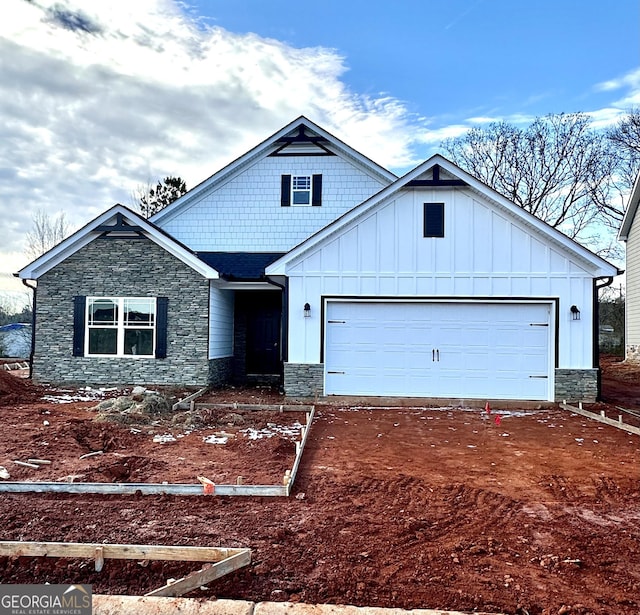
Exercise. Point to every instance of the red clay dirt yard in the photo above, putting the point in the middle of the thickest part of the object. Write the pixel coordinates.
(526, 510)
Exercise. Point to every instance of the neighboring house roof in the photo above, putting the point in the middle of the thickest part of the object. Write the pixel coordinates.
(453, 176)
(630, 212)
(288, 135)
(245, 266)
(14, 326)
(117, 221)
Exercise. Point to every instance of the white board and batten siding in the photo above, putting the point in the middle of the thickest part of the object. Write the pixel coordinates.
(486, 253)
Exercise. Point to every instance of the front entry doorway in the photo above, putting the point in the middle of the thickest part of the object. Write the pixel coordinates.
(258, 335)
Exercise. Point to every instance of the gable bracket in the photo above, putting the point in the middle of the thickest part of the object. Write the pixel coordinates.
(436, 181)
(120, 226)
(301, 137)
(442, 183)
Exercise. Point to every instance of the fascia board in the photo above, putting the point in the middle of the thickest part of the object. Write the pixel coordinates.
(630, 212)
(263, 149)
(85, 235)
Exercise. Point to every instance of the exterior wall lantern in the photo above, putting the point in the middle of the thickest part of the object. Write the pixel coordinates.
(575, 312)
(307, 310)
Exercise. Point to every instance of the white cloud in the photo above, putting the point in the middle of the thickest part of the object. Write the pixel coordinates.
(99, 98)
(630, 80)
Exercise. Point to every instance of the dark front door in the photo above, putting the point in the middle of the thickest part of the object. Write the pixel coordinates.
(263, 333)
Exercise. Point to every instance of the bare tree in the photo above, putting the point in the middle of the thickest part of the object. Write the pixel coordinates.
(557, 168)
(625, 139)
(45, 233)
(151, 199)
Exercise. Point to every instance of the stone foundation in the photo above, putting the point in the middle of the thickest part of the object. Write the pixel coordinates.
(576, 384)
(220, 371)
(304, 379)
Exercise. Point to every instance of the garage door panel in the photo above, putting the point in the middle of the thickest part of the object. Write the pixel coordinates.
(438, 349)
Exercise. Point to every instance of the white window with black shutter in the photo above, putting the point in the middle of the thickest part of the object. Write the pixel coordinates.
(301, 190)
(120, 327)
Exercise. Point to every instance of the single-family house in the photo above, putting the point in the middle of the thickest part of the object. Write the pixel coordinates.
(630, 234)
(306, 263)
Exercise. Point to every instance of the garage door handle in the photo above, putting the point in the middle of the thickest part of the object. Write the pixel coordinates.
(538, 376)
(330, 372)
(435, 355)
(538, 324)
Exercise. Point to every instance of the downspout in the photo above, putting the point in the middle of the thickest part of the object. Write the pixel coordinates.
(33, 327)
(606, 281)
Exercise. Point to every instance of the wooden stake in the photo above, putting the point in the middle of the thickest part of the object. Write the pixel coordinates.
(92, 454)
(116, 551)
(99, 557)
(24, 464)
(205, 575)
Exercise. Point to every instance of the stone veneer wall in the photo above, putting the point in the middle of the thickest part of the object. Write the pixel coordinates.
(220, 371)
(304, 379)
(576, 384)
(307, 380)
(121, 268)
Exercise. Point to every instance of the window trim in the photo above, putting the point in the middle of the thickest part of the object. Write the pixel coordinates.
(307, 190)
(288, 190)
(120, 326)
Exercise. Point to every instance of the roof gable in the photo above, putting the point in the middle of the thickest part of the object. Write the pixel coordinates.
(438, 172)
(301, 136)
(119, 221)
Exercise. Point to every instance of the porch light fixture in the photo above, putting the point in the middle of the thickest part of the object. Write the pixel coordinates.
(575, 312)
(307, 310)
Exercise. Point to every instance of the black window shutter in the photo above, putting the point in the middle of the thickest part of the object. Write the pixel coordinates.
(79, 304)
(316, 193)
(285, 191)
(434, 219)
(162, 304)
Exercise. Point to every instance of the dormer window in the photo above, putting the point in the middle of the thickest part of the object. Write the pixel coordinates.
(301, 190)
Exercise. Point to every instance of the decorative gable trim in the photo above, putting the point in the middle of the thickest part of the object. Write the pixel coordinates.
(302, 144)
(120, 228)
(435, 181)
(119, 221)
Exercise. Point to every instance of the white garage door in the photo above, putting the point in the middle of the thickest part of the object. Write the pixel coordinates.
(461, 350)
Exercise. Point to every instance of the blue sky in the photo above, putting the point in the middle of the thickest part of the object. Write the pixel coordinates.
(459, 58)
(98, 99)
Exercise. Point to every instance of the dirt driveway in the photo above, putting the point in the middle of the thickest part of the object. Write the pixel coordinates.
(536, 513)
